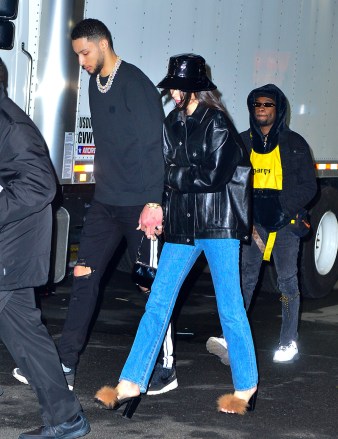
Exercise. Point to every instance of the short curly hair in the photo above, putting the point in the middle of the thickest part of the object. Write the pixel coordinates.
(92, 29)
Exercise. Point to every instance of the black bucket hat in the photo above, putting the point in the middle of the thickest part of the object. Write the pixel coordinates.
(186, 72)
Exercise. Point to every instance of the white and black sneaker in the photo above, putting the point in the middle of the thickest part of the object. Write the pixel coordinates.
(162, 381)
(219, 347)
(68, 372)
(286, 354)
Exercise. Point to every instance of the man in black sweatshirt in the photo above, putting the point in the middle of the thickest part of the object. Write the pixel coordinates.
(127, 119)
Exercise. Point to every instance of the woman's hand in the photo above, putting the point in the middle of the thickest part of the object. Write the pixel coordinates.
(150, 221)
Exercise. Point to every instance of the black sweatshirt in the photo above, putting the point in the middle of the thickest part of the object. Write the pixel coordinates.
(127, 125)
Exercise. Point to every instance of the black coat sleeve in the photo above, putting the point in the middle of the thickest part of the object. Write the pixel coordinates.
(144, 104)
(300, 185)
(27, 178)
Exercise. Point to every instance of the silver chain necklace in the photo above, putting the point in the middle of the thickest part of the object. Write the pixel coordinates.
(106, 87)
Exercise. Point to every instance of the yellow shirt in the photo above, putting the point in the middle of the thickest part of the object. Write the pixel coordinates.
(267, 170)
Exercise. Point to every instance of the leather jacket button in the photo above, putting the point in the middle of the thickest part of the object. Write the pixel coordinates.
(188, 240)
(180, 143)
(194, 154)
(188, 215)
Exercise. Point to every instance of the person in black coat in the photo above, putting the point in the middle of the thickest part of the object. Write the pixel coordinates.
(284, 183)
(27, 188)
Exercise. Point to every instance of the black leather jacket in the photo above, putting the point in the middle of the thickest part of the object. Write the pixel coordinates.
(201, 197)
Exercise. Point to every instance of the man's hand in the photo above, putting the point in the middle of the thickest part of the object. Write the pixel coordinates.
(150, 221)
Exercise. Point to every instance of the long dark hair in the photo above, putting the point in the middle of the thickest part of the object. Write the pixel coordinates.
(207, 98)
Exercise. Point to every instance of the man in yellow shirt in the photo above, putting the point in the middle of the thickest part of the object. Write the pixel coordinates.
(284, 183)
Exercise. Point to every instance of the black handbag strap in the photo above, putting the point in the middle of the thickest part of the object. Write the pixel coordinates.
(138, 255)
(160, 243)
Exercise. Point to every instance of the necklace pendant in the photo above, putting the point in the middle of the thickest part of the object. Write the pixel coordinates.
(265, 139)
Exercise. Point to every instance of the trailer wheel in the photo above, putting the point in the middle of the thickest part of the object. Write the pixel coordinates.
(319, 261)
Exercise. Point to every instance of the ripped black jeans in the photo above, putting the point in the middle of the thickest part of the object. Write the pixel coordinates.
(104, 227)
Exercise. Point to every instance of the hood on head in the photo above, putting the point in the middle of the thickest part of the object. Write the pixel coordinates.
(273, 92)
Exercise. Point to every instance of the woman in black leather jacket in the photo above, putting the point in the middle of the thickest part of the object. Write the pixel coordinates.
(202, 150)
(206, 208)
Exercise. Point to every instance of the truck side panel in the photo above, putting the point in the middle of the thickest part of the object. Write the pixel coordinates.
(291, 43)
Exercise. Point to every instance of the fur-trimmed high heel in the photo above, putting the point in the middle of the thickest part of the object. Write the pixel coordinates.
(231, 404)
(107, 398)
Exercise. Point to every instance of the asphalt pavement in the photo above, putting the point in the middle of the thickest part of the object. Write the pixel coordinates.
(294, 401)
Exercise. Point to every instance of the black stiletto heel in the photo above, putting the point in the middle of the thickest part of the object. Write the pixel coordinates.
(107, 398)
(131, 406)
(252, 402)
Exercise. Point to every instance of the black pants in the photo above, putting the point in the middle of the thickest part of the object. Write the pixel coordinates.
(103, 230)
(34, 352)
(285, 255)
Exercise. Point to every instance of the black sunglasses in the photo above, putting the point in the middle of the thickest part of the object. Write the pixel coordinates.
(263, 104)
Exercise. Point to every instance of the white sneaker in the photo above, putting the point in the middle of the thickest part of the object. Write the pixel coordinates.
(219, 347)
(286, 354)
(68, 372)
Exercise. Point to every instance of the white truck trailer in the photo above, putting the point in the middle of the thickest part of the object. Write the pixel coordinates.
(246, 43)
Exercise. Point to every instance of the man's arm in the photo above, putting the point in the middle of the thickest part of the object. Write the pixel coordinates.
(304, 176)
(26, 174)
(146, 112)
(144, 102)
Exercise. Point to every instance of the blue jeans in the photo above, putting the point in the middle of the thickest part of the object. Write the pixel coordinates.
(285, 256)
(175, 263)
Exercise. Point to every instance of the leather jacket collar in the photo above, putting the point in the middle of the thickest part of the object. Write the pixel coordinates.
(198, 115)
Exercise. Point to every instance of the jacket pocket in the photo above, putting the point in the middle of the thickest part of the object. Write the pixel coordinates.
(267, 210)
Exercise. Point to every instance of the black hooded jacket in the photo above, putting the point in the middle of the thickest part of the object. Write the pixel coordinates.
(275, 209)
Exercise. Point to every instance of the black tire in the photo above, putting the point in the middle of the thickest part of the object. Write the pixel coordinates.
(319, 261)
